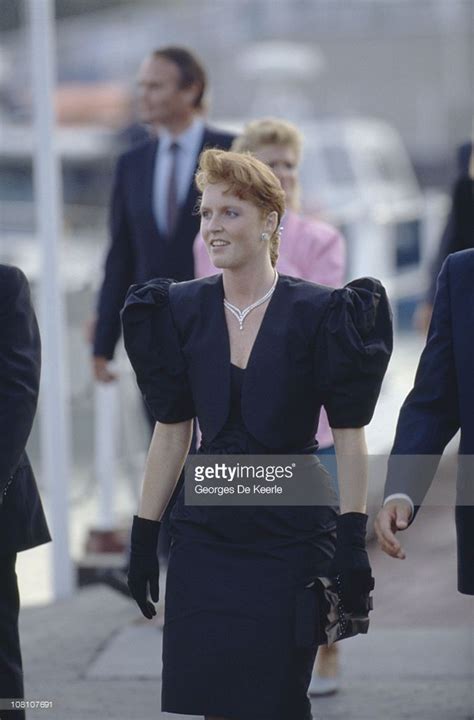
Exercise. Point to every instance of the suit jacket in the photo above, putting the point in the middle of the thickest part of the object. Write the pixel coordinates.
(309, 249)
(441, 402)
(22, 521)
(138, 251)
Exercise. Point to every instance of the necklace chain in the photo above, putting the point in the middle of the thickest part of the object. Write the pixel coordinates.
(242, 314)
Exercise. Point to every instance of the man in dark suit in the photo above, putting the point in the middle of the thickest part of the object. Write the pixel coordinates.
(22, 521)
(441, 403)
(153, 219)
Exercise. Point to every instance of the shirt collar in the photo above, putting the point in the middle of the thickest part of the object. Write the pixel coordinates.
(187, 140)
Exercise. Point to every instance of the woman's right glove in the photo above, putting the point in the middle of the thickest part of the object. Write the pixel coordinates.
(144, 570)
(350, 565)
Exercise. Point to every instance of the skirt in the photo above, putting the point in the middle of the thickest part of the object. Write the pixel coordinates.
(236, 643)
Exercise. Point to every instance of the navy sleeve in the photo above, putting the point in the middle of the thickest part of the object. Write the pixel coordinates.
(152, 344)
(20, 362)
(118, 272)
(429, 417)
(356, 348)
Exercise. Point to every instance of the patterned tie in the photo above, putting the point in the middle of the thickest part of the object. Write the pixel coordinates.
(172, 201)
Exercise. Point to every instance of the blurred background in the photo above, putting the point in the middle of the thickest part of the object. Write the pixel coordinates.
(382, 90)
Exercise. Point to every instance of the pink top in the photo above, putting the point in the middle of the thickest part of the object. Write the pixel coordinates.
(309, 249)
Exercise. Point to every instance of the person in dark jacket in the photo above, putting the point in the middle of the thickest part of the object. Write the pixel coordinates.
(440, 403)
(152, 220)
(22, 521)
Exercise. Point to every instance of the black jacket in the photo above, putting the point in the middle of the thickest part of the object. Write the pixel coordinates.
(138, 252)
(315, 346)
(22, 521)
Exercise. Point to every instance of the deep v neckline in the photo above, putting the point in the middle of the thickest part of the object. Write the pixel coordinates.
(260, 330)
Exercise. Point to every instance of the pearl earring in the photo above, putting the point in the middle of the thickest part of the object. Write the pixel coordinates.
(264, 236)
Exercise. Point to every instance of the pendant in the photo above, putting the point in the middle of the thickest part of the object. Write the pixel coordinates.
(240, 315)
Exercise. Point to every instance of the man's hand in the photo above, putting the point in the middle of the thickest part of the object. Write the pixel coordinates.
(101, 370)
(394, 516)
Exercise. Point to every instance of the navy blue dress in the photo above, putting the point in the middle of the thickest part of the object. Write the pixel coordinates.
(235, 644)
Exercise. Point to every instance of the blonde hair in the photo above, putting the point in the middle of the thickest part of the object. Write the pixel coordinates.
(269, 131)
(247, 178)
(272, 131)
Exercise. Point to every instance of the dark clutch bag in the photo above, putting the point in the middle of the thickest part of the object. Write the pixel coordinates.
(321, 618)
(336, 623)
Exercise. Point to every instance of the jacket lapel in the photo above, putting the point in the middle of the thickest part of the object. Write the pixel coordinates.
(212, 359)
(220, 356)
(264, 364)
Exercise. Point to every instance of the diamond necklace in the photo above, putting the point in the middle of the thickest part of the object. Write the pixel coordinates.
(242, 314)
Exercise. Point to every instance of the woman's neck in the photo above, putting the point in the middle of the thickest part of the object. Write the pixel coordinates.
(244, 286)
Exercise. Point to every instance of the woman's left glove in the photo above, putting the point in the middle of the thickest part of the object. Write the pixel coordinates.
(144, 570)
(350, 565)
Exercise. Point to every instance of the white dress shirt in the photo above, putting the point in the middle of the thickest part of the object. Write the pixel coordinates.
(401, 496)
(189, 143)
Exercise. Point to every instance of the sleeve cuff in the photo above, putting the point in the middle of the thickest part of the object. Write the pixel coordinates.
(401, 496)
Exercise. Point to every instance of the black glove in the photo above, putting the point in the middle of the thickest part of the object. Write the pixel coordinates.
(144, 569)
(350, 565)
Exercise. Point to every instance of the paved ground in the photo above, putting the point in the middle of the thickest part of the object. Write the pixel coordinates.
(96, 658)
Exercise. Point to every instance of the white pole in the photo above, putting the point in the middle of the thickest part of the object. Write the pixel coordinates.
(55, 430)
(106, 401)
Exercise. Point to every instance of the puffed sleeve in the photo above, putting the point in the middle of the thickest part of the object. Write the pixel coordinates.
(356, 344)
(152, 344)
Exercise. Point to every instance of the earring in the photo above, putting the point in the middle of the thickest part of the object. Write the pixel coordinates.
(264, 236)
